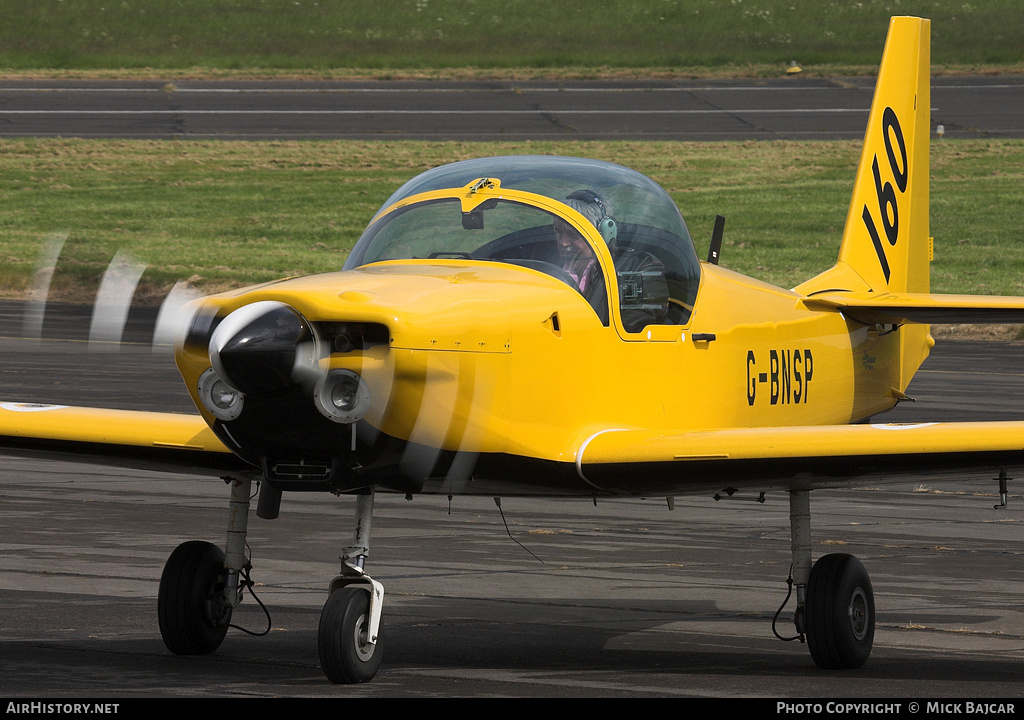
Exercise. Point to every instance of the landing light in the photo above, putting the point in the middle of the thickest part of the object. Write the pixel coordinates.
(342, 396)
(218, 397)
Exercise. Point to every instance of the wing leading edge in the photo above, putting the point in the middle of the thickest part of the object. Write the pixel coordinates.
(799, 457)
(154, 440)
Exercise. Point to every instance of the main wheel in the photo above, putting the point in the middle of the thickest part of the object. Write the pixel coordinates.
(346, 654)
(840, 612)
(190, 605)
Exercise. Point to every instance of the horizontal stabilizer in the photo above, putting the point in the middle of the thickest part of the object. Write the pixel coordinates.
(900, 308)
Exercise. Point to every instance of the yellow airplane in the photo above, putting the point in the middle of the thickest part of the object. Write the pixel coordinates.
(483, 336)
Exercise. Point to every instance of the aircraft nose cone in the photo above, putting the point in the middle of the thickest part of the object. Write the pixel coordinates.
(254, 349)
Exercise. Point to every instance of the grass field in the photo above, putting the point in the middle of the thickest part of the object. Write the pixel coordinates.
(387, 37)
(233, 213)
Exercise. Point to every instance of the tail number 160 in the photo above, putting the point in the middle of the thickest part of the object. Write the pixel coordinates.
(888, 207)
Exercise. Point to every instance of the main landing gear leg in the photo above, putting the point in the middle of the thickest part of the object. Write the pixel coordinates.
(199, 584)
(350, 638)
(800, 534)
(835, 602)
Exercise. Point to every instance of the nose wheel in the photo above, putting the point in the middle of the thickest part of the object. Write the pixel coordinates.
(349, 651)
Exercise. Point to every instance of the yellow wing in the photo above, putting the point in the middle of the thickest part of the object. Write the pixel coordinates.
(802, 457)
(165, 440)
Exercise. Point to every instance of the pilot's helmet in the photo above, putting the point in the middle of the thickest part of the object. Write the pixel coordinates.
(594, 208)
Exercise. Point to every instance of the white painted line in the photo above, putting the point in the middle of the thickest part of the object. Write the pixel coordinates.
(568, 111)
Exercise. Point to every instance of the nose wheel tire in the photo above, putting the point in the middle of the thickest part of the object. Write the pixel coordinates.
(191, 606)
(346, 653)
(840, 612)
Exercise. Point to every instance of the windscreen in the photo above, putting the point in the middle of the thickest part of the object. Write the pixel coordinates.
(655, 262)
(496, 230)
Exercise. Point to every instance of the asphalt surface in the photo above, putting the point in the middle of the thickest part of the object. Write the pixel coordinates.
(622, 599)
(791, 107)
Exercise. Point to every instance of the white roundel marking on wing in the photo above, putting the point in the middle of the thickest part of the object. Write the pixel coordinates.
(29, 407)
(901, 426)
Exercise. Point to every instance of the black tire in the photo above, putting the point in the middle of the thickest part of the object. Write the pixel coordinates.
(840, 613)
(190, 604)
(345, 654)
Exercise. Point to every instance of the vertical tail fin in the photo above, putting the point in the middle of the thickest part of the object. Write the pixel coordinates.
(886, 240)
(886, 244)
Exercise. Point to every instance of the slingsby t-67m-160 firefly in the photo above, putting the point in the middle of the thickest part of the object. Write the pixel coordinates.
(434, 362)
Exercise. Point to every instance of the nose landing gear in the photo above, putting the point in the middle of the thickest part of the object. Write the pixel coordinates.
(350, 637)
(350, 652)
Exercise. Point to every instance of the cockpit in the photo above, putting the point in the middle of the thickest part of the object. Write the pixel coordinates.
(588, 223)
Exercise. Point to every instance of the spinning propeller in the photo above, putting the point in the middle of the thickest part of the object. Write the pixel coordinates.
(268, 347)
(112, 304)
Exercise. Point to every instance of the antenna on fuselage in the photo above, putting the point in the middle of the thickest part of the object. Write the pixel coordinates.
(716, 240)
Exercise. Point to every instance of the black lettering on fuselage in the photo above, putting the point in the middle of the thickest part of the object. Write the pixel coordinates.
(788, 377)
(808, 371)
(751, 380)
(798, 381)
(774, 355)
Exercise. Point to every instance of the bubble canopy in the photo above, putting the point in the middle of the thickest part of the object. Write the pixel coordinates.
(422, 221)
(632, 196)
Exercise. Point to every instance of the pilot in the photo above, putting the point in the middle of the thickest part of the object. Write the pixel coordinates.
(577, 257)
(643, 290)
